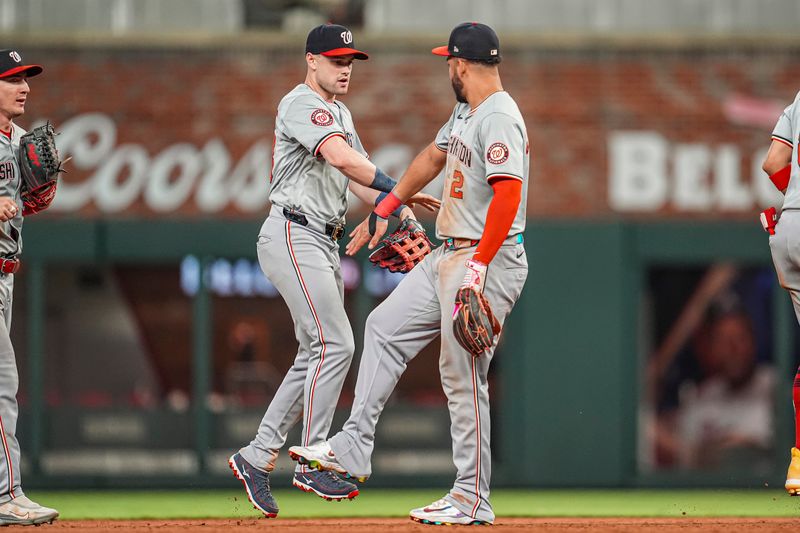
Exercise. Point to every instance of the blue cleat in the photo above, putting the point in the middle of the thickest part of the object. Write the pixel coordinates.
(326, 485)
(256, 484)
(321, 457)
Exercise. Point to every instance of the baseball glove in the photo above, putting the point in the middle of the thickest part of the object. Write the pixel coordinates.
(474, 324)
(403, 249)
(38, 199)
(39, 161)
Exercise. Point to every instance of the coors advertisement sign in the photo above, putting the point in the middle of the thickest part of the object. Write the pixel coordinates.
(664, 134)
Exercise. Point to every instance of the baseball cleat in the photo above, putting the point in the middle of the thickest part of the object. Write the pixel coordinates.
(321, 457)
(443, 513)
(22, 511)
(793, 475)
(327, 485)
(256, 484)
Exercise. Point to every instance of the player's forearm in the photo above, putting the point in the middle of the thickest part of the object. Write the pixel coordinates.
(781, 177)
(349, 162)
(425, 167)
(373, 197)
(363, 193)
(777, 164)
(358, 168)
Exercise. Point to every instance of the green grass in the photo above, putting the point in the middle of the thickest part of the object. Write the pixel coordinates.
(396, 503)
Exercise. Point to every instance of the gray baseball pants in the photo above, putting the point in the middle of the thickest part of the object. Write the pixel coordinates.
(304, 266)
(785, 248)
(415, 313)
(10, 478)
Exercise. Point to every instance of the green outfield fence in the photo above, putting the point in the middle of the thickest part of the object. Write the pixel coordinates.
(567, 415)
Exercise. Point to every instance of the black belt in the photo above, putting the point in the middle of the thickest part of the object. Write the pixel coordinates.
(334, 231)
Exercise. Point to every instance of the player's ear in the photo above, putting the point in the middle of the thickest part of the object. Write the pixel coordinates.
(311, 61)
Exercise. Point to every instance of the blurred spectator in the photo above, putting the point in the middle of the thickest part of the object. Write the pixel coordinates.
(724, 416)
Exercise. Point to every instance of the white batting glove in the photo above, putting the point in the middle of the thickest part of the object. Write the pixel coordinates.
(475, 276)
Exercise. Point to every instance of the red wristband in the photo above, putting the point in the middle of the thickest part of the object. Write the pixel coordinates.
(781, 178)
(387, 205)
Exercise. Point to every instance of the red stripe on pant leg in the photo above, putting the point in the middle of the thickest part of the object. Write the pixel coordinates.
(309, 407)
(796, 403)
(8, 460)
(478, 438)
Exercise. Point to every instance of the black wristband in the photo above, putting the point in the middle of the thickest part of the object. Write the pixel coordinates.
(373, 219)
(397, 211)
(382, 181)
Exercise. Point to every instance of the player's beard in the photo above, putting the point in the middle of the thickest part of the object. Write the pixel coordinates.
(458, 88)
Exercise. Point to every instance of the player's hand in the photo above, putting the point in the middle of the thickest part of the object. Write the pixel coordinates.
(407, 212)
(426, 201)
(8, 208)
(361, 235)
(475, 276)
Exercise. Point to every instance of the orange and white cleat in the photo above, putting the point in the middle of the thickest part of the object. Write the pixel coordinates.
(793, 475)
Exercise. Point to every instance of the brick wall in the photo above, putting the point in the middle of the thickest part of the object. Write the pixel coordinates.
(574, 101)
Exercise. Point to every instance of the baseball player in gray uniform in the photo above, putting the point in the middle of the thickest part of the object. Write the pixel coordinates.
(316, 157)
(484, 149)
(15, 507)
(781, 163)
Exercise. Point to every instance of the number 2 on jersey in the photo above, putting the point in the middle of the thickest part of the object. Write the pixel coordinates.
(457, 184)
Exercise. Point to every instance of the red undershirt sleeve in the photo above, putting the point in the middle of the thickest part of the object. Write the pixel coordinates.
(499, 219)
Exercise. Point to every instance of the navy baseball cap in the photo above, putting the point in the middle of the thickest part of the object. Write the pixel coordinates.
(11, 63)
(471, 40)
(332, 40)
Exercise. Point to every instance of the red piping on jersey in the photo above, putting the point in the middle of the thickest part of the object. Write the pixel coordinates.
(782, 140)
(6, 133)
(272, 167)
(8, 460)
(478, 439)
(499, 218)
(326, 139)
(295, 264)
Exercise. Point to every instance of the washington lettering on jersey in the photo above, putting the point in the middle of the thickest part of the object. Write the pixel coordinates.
(461, 151)
(484, 144)
(10, 185)
(6, 170)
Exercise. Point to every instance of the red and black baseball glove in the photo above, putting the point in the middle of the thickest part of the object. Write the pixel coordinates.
(404, 249)
(40, 165)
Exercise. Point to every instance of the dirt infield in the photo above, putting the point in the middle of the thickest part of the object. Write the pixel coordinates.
(545, 525)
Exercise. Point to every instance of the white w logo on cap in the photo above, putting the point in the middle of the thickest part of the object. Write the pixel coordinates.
(15, 56)
(347, 37)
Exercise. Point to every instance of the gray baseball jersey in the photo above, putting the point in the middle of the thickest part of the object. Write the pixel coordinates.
(300, 177)
(484, 144)
(10, 245)
(10, 186)
(303, 264)
(787, 131)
